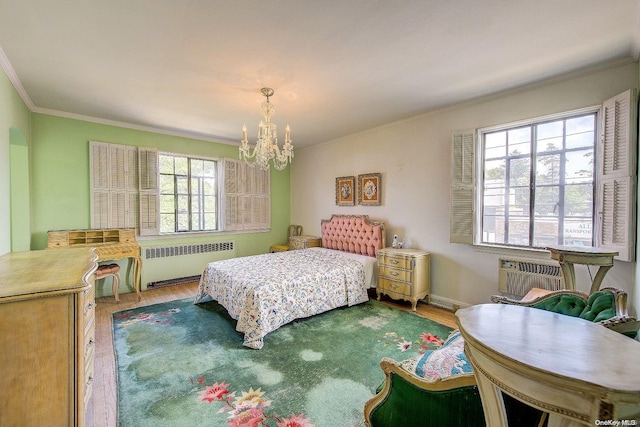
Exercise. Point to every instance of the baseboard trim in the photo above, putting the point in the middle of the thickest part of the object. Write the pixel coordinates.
(447, 303)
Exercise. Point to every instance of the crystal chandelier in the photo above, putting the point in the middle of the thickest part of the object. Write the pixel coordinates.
(266, 148)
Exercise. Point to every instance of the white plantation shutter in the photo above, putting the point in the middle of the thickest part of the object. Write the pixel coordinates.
(616, 176)
(122, 179)
(246, 196)
(99, 183)
(99, 209)
(148, 191)
(117, 167)
(111, 178)
(99, 165)
(230, 177)
(462, 187)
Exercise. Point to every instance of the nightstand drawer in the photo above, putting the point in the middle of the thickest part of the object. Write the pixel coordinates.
(304, 242)
(395, 261)
(394, 273)
(391, 287)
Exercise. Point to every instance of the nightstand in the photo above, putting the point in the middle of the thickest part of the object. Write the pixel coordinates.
(404, 274)
(304, 242)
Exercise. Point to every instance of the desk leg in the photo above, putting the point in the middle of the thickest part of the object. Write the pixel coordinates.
(569, 273)
(492, 402)
(137, 273)
(495, 414)
(597, 281)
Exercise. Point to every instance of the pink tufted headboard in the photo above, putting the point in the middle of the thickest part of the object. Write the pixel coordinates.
(353, 233)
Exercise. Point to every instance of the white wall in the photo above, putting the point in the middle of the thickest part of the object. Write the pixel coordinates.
(414, 158)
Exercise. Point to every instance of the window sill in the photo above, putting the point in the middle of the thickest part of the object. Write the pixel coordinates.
(198, 234)
(511, 251)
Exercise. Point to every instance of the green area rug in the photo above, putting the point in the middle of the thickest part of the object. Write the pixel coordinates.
(181, 364)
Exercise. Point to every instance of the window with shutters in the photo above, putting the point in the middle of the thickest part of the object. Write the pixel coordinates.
(567, 179)
(165, 193)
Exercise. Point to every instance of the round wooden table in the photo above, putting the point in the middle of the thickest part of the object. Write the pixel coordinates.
(580, 372)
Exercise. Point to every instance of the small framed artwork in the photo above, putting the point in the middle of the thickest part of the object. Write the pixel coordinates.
(369, 189)
(345, 191)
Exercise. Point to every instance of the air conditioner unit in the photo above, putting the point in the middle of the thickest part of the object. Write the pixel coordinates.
(517, 276)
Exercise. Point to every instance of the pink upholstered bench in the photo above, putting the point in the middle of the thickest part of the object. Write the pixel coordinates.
(112, 270)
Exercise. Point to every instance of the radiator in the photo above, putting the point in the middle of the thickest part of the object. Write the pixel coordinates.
(170, 264)
(516, 276)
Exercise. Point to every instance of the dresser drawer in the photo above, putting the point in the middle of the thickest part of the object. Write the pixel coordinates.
(89, 315)
(88, 377)
(394, 273)
(395, 261)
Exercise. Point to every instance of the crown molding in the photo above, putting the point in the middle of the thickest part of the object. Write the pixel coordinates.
(15, 81)
(127, 125)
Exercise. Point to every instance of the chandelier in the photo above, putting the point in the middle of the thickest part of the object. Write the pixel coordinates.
(266, 148)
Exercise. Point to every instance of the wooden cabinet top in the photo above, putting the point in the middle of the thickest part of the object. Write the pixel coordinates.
(28, 274)
(402, 252)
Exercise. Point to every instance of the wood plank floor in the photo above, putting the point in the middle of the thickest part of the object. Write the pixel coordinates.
(101, 410)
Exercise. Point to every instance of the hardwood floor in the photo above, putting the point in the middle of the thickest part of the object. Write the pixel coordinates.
(103, 404)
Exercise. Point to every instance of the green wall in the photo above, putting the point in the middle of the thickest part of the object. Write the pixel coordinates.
(20, 192)
(60, 178)
(14, 126)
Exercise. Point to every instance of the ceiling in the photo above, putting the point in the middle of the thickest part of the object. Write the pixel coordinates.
(196, 67)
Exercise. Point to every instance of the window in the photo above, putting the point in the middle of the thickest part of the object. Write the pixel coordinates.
(538, 187)
(188, 195)
(136, 187)
(567, 180)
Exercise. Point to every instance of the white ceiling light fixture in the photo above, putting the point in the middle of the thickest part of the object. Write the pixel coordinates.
(266, 148)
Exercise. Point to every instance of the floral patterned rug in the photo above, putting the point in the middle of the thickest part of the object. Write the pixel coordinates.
(181, 364)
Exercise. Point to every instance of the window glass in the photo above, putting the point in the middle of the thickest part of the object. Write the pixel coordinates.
(188, 194)
(538, 183)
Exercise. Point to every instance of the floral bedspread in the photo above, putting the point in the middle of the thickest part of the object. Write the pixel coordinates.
(264, 292)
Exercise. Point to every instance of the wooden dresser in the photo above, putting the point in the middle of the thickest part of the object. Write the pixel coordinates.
(304, 242)
(404, 274)
(47, 337)
(111, 244)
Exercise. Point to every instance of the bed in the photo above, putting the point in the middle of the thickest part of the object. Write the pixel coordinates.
(264, 292)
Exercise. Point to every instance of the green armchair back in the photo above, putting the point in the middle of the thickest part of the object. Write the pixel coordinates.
(608, 306)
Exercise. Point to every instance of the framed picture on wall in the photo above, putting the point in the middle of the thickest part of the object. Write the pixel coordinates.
(369, 189)
(345, 191)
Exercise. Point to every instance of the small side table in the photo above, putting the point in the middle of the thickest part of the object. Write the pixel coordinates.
(404, 274)
(304, 242)
(567, 256)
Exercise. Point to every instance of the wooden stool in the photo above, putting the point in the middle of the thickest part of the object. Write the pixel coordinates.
(112, 270)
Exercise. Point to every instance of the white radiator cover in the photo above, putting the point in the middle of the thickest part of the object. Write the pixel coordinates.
(517, 276)
(166, 262)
